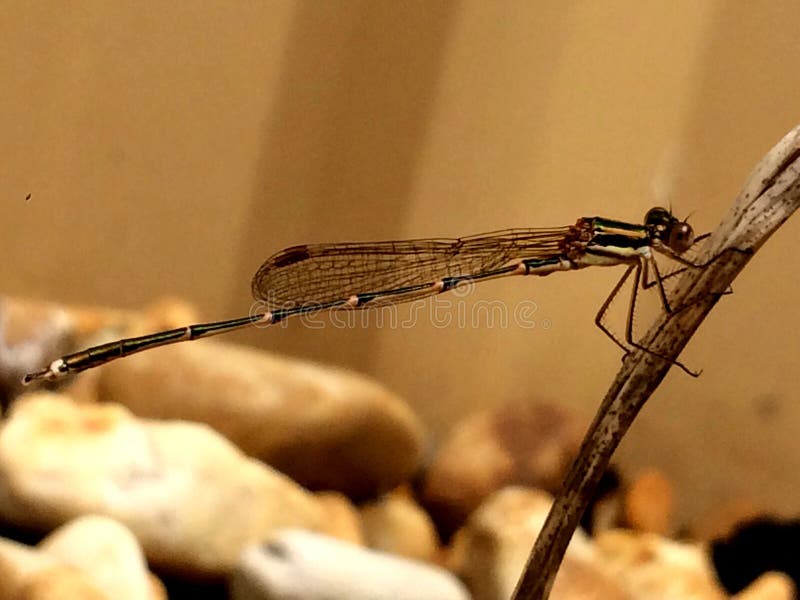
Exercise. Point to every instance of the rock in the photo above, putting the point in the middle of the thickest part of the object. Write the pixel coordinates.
(157, 589)
(490, 552)
(60, 583)
(649, 566)
(31, 335)
(190, 497)
(298, 564)
(397, 525)
(340, 519)
(105, 550)
(770, 586)
(529, 444)
(649, 503)
(28, 574)
(325, 428)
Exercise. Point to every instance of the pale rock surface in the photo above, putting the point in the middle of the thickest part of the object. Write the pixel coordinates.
(59, 583)
(106, 551)
(770, 586)
(340, 518)
(297, 564)
(491, 550)
(326, 428)
(189, 496)
(398, 525)
(649, 566)
(29, 574)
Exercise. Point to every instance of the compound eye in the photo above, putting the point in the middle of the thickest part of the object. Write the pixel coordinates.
(681, 237)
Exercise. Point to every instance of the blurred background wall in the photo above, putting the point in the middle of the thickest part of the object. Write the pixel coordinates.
(170, 148)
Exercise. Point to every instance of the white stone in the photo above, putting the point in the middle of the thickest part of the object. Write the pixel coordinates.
(298, 564)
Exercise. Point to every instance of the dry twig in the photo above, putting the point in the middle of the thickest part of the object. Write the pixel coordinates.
(770, 196)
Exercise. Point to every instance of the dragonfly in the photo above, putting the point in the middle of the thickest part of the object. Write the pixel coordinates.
(356, 275)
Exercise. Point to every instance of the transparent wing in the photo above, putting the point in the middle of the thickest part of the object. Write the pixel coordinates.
(394, 271)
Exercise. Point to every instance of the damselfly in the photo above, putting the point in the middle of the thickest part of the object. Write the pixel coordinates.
(311, 278)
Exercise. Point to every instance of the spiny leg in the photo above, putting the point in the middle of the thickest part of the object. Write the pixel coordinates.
(659, 280)
(699, 265)
(693, 265)
(642, 266)
(646, 284)
(600, 317)
(601, 314)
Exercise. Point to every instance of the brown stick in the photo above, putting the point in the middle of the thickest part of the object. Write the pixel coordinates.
(770, 196)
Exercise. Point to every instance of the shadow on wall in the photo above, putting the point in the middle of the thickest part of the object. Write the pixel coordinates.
(344, 137)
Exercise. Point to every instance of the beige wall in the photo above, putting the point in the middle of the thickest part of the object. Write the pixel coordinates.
(170, 149)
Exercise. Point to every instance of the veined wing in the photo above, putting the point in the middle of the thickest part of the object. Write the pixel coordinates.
(395, 271)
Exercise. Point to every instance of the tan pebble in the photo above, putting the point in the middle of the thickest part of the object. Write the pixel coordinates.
(490, 552)
(398, 525)
(192, 499)
(649, 503)
(770, 586)
(60, 583)
(328, 429)
(340, 518)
